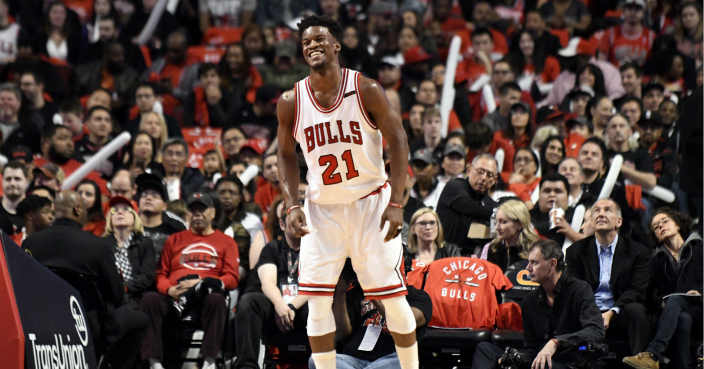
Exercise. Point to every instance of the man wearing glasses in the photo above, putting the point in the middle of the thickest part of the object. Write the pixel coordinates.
(465, 202)
(180, 180)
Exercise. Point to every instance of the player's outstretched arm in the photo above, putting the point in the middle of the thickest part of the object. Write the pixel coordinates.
(288, 164)
(389, 123)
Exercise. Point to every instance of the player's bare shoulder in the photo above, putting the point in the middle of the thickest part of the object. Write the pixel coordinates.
(286, 107)
(372, 94)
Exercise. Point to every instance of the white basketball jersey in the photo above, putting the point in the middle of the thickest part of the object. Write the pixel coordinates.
(341, 145)
(8, 41)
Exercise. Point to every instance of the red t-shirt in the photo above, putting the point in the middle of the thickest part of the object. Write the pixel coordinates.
(185, 253)
(71, 167)
(463, 291)
(550, 71)
(621, 48)
(498, 143)
(265, 196)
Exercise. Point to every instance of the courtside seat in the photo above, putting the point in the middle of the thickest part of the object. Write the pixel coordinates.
(447, 348)
(507, 337)
(292, 348)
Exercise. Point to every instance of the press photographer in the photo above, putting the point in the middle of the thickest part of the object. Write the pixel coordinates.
(558, 317)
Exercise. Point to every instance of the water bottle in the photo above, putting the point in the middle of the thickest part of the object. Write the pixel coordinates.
(492, 224)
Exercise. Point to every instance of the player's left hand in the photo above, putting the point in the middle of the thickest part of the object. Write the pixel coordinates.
(394, 216)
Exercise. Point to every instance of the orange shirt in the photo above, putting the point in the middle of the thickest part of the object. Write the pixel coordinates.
(96, 228)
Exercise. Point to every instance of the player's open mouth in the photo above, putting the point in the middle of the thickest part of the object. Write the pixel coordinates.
(316, 53)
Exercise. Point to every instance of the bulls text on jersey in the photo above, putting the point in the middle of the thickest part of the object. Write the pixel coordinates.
(321, 134)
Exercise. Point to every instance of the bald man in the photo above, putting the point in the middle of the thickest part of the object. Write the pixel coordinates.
(65, 246)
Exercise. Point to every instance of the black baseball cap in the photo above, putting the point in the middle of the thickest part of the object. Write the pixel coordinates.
(650, 119)
(149, 181)
(200, 198)
(449, 149)
(652, 85)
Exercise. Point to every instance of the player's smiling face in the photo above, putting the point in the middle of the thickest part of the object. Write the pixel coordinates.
(319, 46)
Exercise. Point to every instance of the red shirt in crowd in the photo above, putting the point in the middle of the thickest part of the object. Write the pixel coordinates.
(523, 191)
(70, 166)
(265, 196)
(550, 71)
(186, 253)
(622, 48)
(498, 143)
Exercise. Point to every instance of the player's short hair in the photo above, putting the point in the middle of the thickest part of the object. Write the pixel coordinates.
(550, 250)
(31, 203)
(320, 21)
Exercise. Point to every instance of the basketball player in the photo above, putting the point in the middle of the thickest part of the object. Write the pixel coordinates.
(339, 117)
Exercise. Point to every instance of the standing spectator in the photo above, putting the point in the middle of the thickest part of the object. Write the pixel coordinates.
(617, 270)
(676, 269)
(688, 31)
(14, 186)
(37, 213)
(637, 164)
(225, 14)
(554, 193)
(32, 86)
(551, 153)
(519, 131)
(570, 15)
(515, 235)
(176, 71)
(197, 267)
(17, 130)
(631, 41)
(270, 172)
(427, 188)
(509, 95)
(147, 97)
(95, 215)
(209, 105)
(158, 223)
(57, 38)
(572, 170)
(99, 124)
(466, 201)
(134, 253)
(238, 74)
(181, 181)
(426, 241)
(286, 69)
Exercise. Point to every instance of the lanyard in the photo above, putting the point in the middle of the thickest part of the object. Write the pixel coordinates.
(292, 267)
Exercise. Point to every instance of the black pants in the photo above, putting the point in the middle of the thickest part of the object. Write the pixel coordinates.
(632, 324)
(674, 330)
(487, 356)
(159, 307)
(254, 317)
(132, 326)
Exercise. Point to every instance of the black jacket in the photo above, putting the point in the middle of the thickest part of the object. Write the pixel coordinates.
(690, 109)
(573, 318)
(191, 180)
(541, 222)
(143, 261)
(90, 77)
(459, 206)
(687, 277)
(221, 114)
(630, 269)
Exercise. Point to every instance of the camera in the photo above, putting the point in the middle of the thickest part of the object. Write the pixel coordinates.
(592, 355)
(514, 359)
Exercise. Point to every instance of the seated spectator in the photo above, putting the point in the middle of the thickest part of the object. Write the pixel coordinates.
(637, 165)
(37, 213)
(95, 216)
(213, 167)
(425, 239)
(258, 120)
(481, 140)
(676, 269)
(519, 131)
(58, 148)
(559, 315)
(479, 60)
(286, 69)
(148, 99)
(668, 71)
(600, 110)
(49, 175)
(140, 155)
(464, 202)
(197, 267)
(123, 184)
(252, 151)
(71, 113)
(523, 181)
(663, 158)
(14, 186)
(57, 39)
(631, 41)
(570, 15)
(514, 236)
(209, 104)
(271, 299)
(482, 16)
(454, 161)
(32, 86)
(538, 69)
(181, 181)
(428, 96)
(653, 96)
(270, 172)
(155, 125)
(92, 256)
(99, 97)
(671, 127)
(17, 129)
(509, 95)
(138, 20)
(536, 24)
(572, 170)
(158, 223)
(176, 72)
(551, 153)
(258, 47)
(632, 81)
(100, 126)
(232, 140)
(427, 187)
(577, 100)
(414, 124)
(354, 53)
(134, 253)
(270, 233)
(239, 75)
(553, 194)
(502, 73)
(381, 36)
(237, 222)
(42, 191)
(617, 270)
(108, 31)
(631, 108)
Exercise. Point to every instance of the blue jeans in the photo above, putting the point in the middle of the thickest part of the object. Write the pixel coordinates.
(675, 329)
(343, 361)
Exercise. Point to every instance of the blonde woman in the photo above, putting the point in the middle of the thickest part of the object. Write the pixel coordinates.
(425, 239)
(515, 235)
(155, 125)
(134, 253)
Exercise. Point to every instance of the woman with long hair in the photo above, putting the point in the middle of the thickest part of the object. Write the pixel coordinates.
(271, 231)
(515, 234)
(676, 268)
(591, 76)
(155, 125)
(535, 67)
(519, 131)
(255, 44)
(90, 192)
(552, 151)
(141, 155)
(668, 70)
(237, 72)
(688, 31)
(426, 242)
(134, 252)
(57, 39)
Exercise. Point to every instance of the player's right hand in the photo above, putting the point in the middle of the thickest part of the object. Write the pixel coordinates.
(296, 222)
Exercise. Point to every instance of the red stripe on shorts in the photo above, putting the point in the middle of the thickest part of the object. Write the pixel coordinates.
(375, 192)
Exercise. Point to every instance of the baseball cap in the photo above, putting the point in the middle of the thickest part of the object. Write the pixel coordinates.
(392, 60)
(120, 200)
(257, 145)
(650, 119)
(578, 45)
(51, 171)
(450, 149)
(149, 181)
(416, 54)
(285, 48)
(199, 198)
(548, 113)
(21, 152)
(521, 105)
(640, 3)
(423, 155)
(586, 90)
(267, 93)
(651, 85)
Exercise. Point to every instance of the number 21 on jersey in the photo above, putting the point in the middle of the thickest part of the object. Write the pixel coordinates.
(330, 175)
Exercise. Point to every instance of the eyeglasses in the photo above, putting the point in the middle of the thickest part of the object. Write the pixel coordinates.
(661, 223)
(115, 210)
(431, 224)
(482, 172)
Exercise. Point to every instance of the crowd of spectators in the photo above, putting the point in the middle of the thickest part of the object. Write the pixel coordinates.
(547, 93)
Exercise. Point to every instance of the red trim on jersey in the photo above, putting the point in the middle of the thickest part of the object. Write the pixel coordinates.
(375, 192)
(382, 289)
(296, 112)
(361, 102)
(340, 94)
